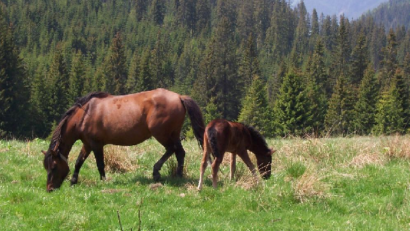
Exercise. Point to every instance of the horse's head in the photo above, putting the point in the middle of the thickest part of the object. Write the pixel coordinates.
(264, 162)
(57, 168)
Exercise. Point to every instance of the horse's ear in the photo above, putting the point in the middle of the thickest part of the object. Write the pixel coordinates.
(44, 152)
(271, 151)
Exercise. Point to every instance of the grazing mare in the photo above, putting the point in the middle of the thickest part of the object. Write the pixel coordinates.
(225, 136)
(100, 118)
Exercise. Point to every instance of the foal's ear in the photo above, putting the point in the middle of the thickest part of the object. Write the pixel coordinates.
(44, 152)
(271, 151)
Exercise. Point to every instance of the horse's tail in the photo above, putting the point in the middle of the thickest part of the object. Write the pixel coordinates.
(195, 115)
(212, 140)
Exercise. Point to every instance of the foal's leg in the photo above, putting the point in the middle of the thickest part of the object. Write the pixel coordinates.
(233, 165)
(157, 166)
(204, 163)
(245, 157)
(85, 151)
(215, 168)
(99, 157)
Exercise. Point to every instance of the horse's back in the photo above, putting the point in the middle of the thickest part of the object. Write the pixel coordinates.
(131, 119)
(230, 135)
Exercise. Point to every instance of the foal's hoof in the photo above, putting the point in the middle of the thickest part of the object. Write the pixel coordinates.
(73, 181)
(156, 176)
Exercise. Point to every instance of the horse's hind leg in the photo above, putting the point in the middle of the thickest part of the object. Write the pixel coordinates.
(215, 168)
(180, 154)
(233, 165)
(204, 164)
(84, 153)
(157, 166)
(99, 157)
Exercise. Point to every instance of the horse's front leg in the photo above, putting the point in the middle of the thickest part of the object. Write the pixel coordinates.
(245, 157)
(84, 153)
(233, 166)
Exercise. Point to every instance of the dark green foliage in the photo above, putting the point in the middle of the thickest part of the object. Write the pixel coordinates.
(365, 107)
(255, 109)
(290, 109)
(339, 116)
(14, 91)
(209, 49)
(116, 68)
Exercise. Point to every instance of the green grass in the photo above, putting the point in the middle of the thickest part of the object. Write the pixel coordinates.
(359, 183)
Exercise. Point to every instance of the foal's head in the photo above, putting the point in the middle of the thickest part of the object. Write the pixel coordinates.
(262, 152)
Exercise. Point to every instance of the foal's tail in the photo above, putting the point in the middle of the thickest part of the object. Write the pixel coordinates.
(195, 115)
(212, 141)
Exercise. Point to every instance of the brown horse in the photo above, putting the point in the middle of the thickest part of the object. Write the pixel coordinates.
(100, 118)
(225, 136)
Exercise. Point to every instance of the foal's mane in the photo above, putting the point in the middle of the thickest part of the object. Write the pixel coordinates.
(257, 137)
(56, 138)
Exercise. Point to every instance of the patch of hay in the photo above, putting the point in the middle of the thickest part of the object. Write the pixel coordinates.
(117, 159)
(397, 147)
(364, 159)
(155, 186)
(309, 186)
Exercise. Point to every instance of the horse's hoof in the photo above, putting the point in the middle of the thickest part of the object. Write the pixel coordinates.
(156, 176)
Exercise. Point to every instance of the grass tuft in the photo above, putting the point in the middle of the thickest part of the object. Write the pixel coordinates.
(117, 159)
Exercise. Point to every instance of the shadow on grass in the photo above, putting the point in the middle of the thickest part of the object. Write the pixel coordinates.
(165, 180)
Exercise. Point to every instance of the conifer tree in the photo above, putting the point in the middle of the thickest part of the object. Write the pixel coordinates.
(291, 106)
(316, 91)
(14, 91)
(203, 12)
(158, 11)
(249, 66)
(211, 111)
(58, 77)
(359, 60)
(339, 116)
(365, 107)
(389, 63)
(133, 73)
(77, 78)
(116, 67)
(255, 108)
(145, 77)
(389, 114)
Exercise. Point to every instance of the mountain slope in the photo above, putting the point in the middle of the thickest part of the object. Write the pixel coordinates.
(350, 8)
(392, 14)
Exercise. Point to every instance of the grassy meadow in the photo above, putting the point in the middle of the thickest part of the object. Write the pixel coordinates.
(359, 183)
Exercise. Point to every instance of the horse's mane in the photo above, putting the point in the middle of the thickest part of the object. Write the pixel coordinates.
(55, 139)
(257, 137)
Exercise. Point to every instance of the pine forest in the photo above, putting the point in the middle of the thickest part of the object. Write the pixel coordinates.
(277, 67)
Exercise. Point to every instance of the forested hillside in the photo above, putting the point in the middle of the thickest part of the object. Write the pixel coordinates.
(284, 70)
(394, 13)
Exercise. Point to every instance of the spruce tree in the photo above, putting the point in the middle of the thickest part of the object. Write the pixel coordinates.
(291, 106)
(359, 60)
(255, 108)
(339, 116)
(365, 107)
(133, 74)
(77, 78)
(389, 114)
(145, 77)
(14, 91)
(116, 67)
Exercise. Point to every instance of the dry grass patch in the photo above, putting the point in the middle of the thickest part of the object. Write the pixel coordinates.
(396, 146)
(309, 186)
(364, 159)
(118, 159)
